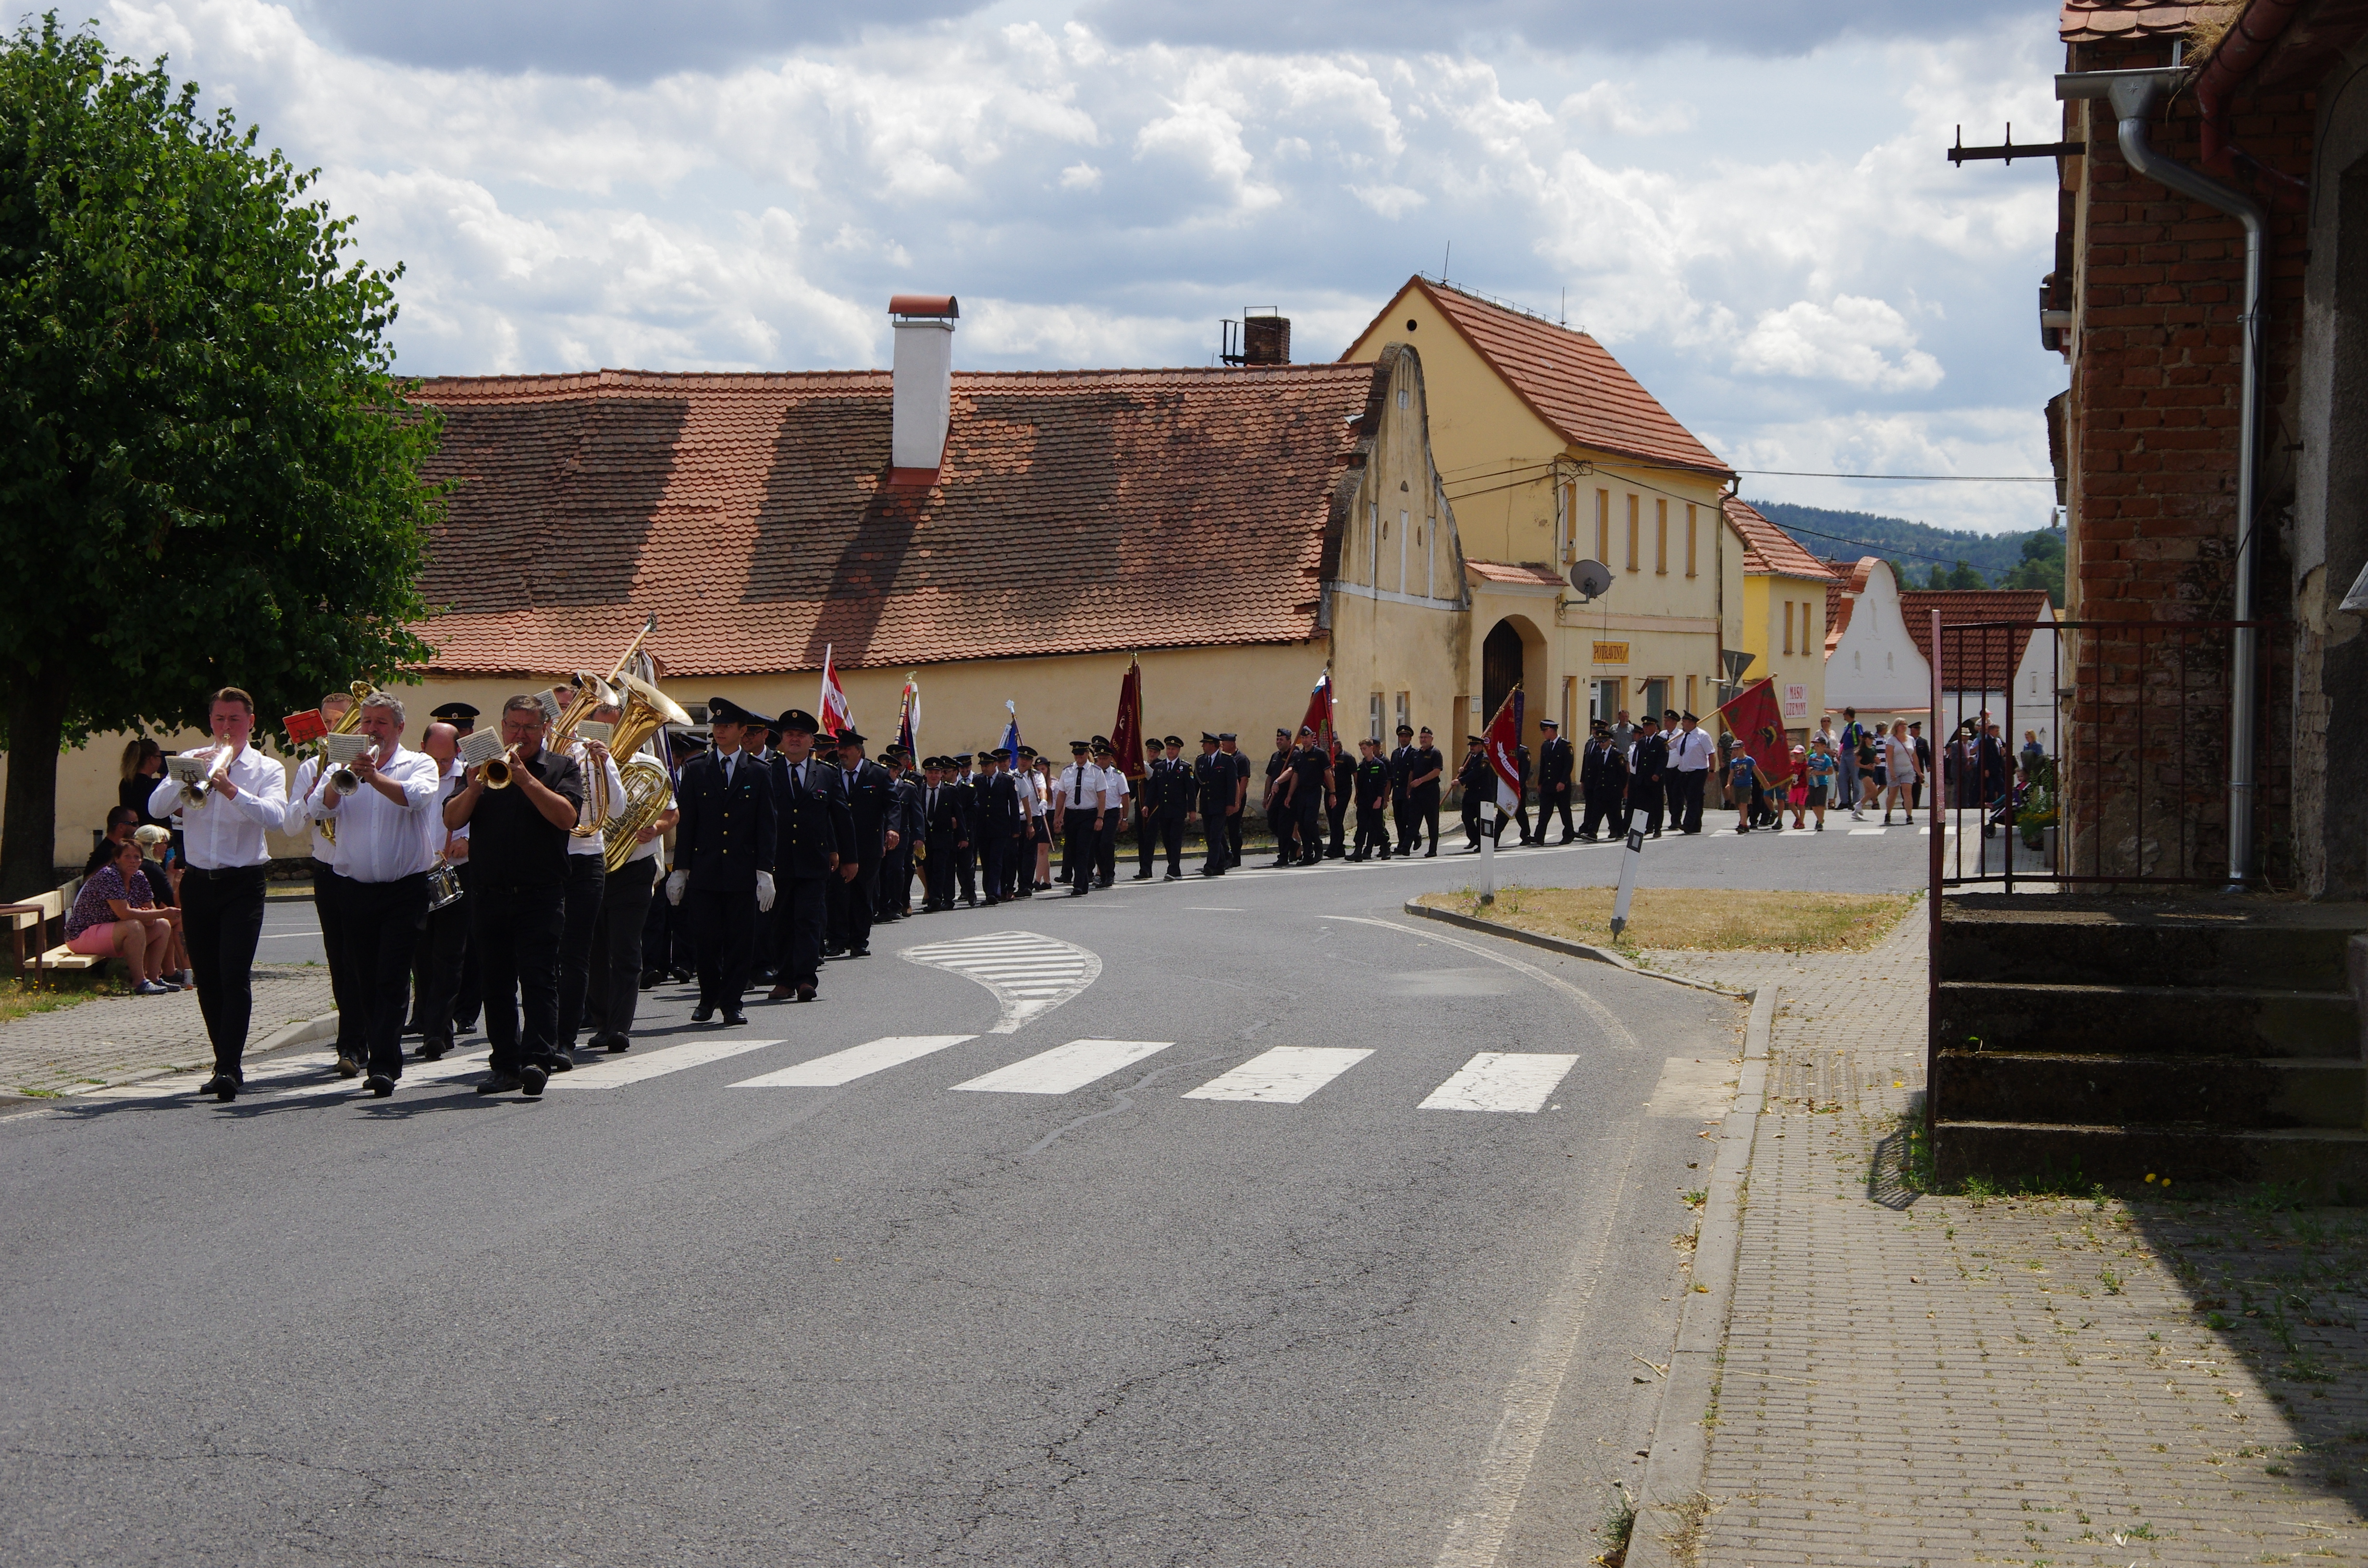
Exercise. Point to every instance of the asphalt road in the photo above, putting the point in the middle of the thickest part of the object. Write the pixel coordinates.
(1099, 1309)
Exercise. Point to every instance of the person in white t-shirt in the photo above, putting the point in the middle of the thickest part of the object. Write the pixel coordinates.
(1901, 772)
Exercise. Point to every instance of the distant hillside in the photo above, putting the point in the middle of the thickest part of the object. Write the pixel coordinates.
(1919, 547)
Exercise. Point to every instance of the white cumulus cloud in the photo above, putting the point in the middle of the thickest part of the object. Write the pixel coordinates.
(1863, 343)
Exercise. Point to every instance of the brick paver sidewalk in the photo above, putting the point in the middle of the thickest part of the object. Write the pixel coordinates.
(113, 1039)
(1912, 1380)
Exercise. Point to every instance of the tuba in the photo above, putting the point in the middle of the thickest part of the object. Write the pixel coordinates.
(648, 790)
(591, 692)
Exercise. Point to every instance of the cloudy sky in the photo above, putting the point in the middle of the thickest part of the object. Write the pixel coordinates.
(1752, 211)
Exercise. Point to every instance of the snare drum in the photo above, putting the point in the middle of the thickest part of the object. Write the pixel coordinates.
(443, 886)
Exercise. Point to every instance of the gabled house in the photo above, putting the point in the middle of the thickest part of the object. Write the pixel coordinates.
(1783, 621)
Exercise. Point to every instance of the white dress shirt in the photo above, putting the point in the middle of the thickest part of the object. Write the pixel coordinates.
(1079, 788)
(220, 833)
(593, 842)
(455, 777)
(379, 841)
(1114, 788)
(1690, 750)
(307, 812)
(1029, 805)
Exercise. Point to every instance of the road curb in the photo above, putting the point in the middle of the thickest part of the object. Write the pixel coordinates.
(1558, 945)
(303, 1031)
(1669, 1504)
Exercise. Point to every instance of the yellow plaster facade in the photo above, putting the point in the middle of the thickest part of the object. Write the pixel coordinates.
(1783, 626)
(1522, 493)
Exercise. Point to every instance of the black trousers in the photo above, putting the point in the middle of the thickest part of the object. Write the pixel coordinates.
(587, 877)
(1080, 840)
(1213, 837)
(1426, 816)
(1371, 832)
(437, 960)
(1171, 838)
(1311, 826)
(1646, 796)
(1689, 785)
(614, 989)
(382, 930)
(329, 908)
(966, 869)
(889, 889)
(515, 931)
(470, 999)
(1409, 825)
(222, 920)
(724, 925)
(801, 915)
(938, 878)
(1338, 811)
(996, 852)
(1600, 803)
(1284, 820)
(657, 938)
(1548, 804)
(1147, 841)
(855, 906)
(1234, 839)
(1106, 850)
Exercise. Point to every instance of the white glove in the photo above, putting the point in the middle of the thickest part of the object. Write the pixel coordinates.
(675, 884)
(764, 890)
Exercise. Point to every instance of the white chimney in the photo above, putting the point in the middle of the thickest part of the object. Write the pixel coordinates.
(924, 379)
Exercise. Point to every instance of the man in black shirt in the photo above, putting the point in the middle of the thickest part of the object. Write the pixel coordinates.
(1424, 772)
(1370, 783)
(724, 856)
(1478, 779)
(1313, 768)
(1282, 815)
(1229, 746)
(1336, 807)
(1556, 766)
(518, 842)
(1214, 777)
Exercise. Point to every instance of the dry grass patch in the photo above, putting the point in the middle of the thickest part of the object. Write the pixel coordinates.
(1707, 919)
(19, 999)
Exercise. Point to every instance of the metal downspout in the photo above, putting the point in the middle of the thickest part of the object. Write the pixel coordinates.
(2133, 96)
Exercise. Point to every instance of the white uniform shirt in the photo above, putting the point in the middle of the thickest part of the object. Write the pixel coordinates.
(593, 842)
(435, 833)
(1029, 804)
(1079, 788)
(379, 841)
(1113, 796)
(307, 812)
(1690, 750)
(220, 833)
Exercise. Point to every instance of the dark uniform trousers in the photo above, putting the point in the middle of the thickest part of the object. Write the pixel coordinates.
(851, 901)
(381, 931)
(1336, 810)
(1686, 788)
(1647, 795)
(1310, 802)
(1171, 836)
(1146, 834)
(1425, 817)
(1106, 846)
(587, 877)
(329, 908)
(801, 913)
(938, 876)
(1373, 831)
(1079, 840)
(614, 989)
(222, 920)
(515, 931)
(437, 960)
(726, 926)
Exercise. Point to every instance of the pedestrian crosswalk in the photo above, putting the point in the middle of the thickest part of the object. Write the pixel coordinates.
(1030, 974)
(1507, 1081)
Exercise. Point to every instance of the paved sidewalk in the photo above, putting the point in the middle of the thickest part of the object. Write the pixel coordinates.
(1911, 1380)
(113, 1040)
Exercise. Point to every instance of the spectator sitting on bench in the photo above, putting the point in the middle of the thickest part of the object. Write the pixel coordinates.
(115, 916)
(160, 866)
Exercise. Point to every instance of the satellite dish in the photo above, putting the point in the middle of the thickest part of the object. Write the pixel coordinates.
(1591, 578)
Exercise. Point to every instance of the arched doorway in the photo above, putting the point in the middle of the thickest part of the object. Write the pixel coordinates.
(1501, 668)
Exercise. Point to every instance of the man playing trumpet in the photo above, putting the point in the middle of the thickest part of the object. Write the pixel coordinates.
(244, 796)
(385, 850)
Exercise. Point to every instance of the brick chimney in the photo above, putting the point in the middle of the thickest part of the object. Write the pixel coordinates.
(924, 380)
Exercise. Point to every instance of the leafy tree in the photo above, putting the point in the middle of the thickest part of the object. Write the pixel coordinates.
(1963, 577)
(208, 474)
(2041, 565)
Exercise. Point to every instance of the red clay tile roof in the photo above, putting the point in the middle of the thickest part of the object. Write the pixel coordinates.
(2089, 21)
(1529, 573)
(1076, 511)
(1977, 661)
(1570, 381)
(1767, 548)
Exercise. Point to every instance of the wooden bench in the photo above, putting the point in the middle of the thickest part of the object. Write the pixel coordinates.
(33, 917)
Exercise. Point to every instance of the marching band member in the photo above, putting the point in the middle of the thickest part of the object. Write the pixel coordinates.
(586, 879)
(306, 809)
(438, 961)
(383, 854)
(615, 989)
(244, 797)
(518, 841)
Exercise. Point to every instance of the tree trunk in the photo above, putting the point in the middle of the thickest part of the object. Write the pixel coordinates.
(29, 831)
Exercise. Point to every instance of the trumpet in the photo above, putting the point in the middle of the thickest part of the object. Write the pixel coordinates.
(342, 778)
(347, 783)
(501, 772)
(195, 791)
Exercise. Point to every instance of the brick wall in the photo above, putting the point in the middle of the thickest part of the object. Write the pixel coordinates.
(2153, 419)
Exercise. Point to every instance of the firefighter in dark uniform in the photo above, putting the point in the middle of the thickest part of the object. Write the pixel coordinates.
(724, 858)
(1001, 826)
(1175, 804)
(1216, 781)
(1602, 779)
(814, 846)
(963, 786)
(876, 809)
(1276, 802)
(1313, 769)
(942, 828)
(1477, 777)
(1335, 804)
(1401, 799)
(1370, 783)
(1424, 787)
(1148, 796)
(1647, 760)
(1557, 767)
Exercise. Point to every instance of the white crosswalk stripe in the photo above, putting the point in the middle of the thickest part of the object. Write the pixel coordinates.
(1066, 1067)
(188, 1083)
(414, 1075)
(1029, 975)
(856, 1062)
(1284, 1076)
(1503, 1080)
(641, 1066)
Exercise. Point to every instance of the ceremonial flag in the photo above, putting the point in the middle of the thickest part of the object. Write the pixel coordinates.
(1126, 729)
(835, 715)
(1011, 731)
(1497, 742)
(908, 718)
(1759, 725)
(1318, 717)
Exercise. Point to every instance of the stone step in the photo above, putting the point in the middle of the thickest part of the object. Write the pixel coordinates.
(2322, 1165)
(2225, 1093)
(2158, 1020)
(2093, 946)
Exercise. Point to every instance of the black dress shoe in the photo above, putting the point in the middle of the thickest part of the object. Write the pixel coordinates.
(380, 1084)
(805, 993)
(1431, 854)
(864, 952)
(1140, 877)
(1077, 893)
(221, 1085)
(348, 1067)
(499, 1083)
(701, 1012)
(560, 1061)
(735, 1020)
(434, 1049)
(619, 1043)
(531, 1079)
